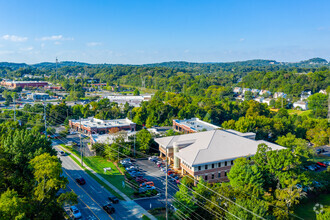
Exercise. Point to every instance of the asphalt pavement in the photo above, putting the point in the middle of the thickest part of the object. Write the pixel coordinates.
(92, 196)
(153, 173)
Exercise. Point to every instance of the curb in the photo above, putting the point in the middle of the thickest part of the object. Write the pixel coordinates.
(144, 198)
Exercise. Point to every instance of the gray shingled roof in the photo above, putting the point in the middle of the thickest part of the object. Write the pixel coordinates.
(214, 146)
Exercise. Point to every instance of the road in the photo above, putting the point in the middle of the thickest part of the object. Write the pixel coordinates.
(92, 196)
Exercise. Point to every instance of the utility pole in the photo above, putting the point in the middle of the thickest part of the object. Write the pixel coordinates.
(81, 152)
(45, 119)
(134, 144)
(14, 109)
(166, 186)
(56, 68)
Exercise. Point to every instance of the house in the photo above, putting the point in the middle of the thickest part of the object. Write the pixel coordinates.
(262, 92)
(323, 91)
(255, 91)
(209, 155)
(245, 90)
(97, 126)
(267, 101)
(305, 94)
(237, 90)
(279, 95)
(301, 105)
(192, 125)
(259, 99)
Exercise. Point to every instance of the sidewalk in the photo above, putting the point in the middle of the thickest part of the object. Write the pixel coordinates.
(129, 203)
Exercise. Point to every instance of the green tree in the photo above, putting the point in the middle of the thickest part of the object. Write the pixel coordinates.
(245, 176)
(136, 92)
(184, 201)
(9, 100)
(319, 104)
(144, 137)
(47, 171)
(11, 205)
(290, 141)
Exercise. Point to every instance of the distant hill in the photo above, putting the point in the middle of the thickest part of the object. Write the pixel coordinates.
(184, 64)
(13, 66)
(314, 62)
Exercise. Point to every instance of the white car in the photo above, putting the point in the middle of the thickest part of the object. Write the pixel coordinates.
(75, 213)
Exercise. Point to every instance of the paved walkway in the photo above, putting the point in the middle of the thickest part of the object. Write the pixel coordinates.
(129, 203)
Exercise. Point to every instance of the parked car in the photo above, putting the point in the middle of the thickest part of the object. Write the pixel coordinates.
(113, 199)
(141, 179)
(152, 158)
(150, 187)
(62, 153)
(75, 213)
(109, 209)
(132, 168)
(126, 160)
(81, 181)
(321, 150)
(150, 183)
(321, 164)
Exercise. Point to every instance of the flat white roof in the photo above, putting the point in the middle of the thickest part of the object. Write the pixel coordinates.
(213, 146)
(98, 123)
(196, 124)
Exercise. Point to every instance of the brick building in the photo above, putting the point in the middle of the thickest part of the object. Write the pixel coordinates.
(97, 126)
(209, 154)
(192, 125)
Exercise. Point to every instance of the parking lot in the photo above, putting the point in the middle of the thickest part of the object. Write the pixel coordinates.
(152, 172)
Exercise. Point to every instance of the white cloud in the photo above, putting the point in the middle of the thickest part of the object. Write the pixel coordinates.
(14, 38)
(55, 37)
(242, 39)
(26, 49)
(93, 44)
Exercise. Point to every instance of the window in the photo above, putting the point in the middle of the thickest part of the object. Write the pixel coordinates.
(232, 162)
(225, 173)
(219, 174)
(199, 167)
(212, 177)
(205, 177)
(225, 163)
(219, 164)
(205, 167)
(212, 165)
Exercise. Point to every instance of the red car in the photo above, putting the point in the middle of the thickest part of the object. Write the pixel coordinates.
(141, 180)
(321, 164)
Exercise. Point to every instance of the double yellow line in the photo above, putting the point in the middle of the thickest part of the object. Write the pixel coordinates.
(89, 197)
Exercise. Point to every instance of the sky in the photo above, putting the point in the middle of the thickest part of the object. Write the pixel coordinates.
(140, 31)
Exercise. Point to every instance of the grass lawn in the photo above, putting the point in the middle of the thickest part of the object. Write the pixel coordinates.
(299, 112)
(114, 177)
(305, 210)
(97, 164)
